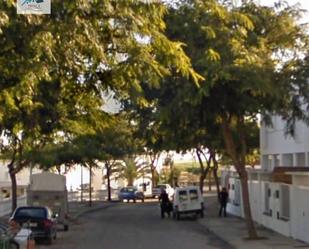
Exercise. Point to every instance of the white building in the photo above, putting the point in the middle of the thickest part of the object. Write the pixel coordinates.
(22, 178)
(279, 189)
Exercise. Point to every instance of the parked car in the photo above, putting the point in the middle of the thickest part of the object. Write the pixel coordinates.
(188, 200)
(37, 218)
(130, 193)
(157, 190)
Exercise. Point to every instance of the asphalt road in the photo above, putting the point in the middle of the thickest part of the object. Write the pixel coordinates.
(135, 226)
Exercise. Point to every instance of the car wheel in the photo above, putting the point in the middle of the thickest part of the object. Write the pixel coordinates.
(134, 200)
(66, 227)
(174, 215)
(13, 244)
(177, 215)
(49, 240)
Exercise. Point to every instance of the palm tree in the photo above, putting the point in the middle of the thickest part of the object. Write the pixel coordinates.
(132, 169)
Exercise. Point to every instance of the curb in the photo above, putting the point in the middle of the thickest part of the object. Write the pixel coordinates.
(228, 244)
(92, 209)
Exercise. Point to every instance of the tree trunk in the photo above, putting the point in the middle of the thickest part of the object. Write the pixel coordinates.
(201, 183)
(203, 171)
(209, 181)
(130, 182)
(239, 164)
(153, 180)
(215, 173)
(246, 205)
(14, 189)
(109, 194)
(81, 184)
(172, 175)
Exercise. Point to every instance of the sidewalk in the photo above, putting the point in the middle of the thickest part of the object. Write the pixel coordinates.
(233, 230)
(77, 209)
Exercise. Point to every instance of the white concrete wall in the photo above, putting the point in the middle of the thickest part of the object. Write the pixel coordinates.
(300, 213)
(255, 200)
(275, 221)
(297, 226)
(300, 180)
(5, 206)
(233, 207)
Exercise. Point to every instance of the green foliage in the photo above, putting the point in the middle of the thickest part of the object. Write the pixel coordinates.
(168, 175)
(55, 68)
(253, 60)
(110, 143)
(133, 168)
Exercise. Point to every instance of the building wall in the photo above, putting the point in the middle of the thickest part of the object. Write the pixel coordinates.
(279, 149)
(300, 213)
(281, 207)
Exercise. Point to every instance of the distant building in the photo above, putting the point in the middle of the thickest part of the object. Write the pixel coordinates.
(22, 177)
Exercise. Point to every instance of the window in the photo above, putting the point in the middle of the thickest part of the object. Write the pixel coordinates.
(193, 195)
(276, 160)
(277, 194)
(183, 196)
(300, 159)
(30, 213)
(265, 162)
(287, 160)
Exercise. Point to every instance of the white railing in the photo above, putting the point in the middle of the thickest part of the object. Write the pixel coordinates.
(6, 205)
(98, 195)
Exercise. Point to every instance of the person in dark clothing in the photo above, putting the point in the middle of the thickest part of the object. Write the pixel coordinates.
(164, 203)
(223, 198)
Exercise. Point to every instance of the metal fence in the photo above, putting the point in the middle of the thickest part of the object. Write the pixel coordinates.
(73, 196)
(98, 195)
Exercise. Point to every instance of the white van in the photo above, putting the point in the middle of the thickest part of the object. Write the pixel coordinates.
(188, 200)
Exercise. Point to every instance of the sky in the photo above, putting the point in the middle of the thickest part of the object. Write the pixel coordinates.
(304, 4)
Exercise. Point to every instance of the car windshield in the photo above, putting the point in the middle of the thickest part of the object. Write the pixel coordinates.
(129, 189)
(31, 213)
(161, 186)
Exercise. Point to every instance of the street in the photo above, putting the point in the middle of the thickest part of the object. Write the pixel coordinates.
(135, 226)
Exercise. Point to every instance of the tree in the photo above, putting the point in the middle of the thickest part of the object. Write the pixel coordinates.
(82, 50)
(116, 142)
(132, 168)
(250, 65)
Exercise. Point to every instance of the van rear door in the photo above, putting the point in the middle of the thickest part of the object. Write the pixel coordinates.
(184, 202)
(194, 196)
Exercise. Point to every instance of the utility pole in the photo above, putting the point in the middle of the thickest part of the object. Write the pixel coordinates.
(81, 183)
(90, 185)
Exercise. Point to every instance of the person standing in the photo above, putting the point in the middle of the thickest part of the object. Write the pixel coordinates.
(164, 203)
(223, 199)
